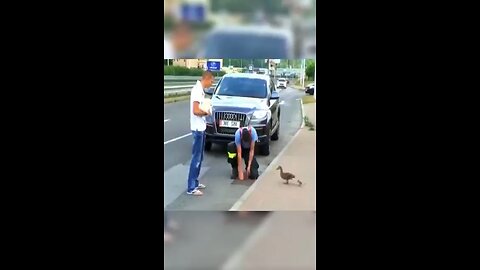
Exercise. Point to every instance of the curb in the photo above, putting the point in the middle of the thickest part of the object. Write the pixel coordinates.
(247, 193)
(303, 115)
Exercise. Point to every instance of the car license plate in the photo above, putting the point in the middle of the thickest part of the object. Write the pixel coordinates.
(231, 124)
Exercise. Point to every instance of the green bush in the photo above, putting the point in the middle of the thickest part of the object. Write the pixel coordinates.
(310, 71)
(184, 71)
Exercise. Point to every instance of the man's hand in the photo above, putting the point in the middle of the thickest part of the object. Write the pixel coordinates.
(248, 172)
(240, 174)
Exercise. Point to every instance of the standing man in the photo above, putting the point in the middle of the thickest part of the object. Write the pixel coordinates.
(243, 148)
(198, 126)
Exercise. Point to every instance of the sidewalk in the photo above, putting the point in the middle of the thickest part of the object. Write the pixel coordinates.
(269, 193)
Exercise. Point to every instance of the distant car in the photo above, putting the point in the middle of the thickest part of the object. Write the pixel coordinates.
(247, 42)
(242, 99)
(310, 89)
(282, 83)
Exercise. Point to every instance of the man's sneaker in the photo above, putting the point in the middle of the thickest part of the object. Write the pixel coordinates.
(195, 192)
(201, 186)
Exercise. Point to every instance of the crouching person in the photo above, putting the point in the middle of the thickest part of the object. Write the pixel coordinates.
(243, 148)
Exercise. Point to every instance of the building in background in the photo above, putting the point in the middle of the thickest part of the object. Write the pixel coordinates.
(190, 63)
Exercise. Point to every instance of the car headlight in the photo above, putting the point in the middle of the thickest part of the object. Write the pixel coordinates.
(260, 114)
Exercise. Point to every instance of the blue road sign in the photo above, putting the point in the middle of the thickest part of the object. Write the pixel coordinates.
(213, 65)
(193, 12)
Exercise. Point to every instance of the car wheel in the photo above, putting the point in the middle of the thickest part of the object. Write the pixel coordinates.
(275, 135)
(265, 148)
(208, 146)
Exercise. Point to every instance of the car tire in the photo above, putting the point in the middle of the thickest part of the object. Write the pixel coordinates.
(208, 146)
(275, 135)
(265, 148)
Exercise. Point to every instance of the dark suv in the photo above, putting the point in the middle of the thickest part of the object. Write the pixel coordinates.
(242, 99)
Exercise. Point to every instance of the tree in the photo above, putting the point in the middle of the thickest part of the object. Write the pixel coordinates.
(310, 70)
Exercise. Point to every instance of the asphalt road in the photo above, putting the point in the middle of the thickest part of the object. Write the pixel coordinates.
(221, 192)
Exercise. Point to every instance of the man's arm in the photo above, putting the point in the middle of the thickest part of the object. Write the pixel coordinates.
(239, 162)
(252, 151)
(196, 109)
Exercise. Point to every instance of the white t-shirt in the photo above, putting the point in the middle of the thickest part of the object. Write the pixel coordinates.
(197, 122)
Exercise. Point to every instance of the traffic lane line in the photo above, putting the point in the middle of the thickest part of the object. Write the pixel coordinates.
(178, 138)
(166, 120)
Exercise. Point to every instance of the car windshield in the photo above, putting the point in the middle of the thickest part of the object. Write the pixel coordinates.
(226, 45)
(242, 87)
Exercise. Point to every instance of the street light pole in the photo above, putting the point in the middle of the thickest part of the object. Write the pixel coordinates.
(303, 76)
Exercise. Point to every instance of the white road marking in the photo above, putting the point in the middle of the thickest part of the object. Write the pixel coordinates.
(175, 183)
(178, 138)
(281, 102)
(166, 120)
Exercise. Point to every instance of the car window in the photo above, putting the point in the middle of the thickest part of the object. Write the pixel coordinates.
(242, 87)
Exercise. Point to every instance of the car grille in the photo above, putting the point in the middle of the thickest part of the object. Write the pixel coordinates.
(229, 116)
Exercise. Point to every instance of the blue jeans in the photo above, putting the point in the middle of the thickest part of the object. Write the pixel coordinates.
(197, 158)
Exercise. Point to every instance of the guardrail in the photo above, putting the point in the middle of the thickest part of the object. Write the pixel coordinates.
(173, 87)
(178, 90)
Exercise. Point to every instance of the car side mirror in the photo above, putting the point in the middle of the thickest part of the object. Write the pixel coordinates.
(209, 91)
(275, 95)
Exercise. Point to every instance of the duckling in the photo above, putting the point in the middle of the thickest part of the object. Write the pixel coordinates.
(287, 176)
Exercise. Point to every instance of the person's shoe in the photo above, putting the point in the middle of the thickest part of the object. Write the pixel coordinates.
(195, 192)
(201, 186)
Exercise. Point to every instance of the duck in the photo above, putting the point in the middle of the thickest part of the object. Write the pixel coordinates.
(287, 176)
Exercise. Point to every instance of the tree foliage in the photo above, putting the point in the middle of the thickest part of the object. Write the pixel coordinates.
(184, 71)
(310, 70)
